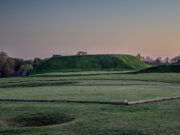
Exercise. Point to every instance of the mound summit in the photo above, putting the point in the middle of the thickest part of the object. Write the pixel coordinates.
(91, 62)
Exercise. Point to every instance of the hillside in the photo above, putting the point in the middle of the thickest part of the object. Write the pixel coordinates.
(162, 69)
(91, 62)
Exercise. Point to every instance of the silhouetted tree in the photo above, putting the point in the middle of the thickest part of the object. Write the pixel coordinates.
(37, 62)
(3, 59)
(8, 68)
(18, 64)
(176, 60)
(139, 56)
(158, 61)
(167, 61)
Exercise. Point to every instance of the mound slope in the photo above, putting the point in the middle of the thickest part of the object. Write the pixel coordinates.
(162, 69)
(91, 62)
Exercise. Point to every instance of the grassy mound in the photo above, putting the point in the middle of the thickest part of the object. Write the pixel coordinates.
(91, 62)
(162, 69)
(40, 119)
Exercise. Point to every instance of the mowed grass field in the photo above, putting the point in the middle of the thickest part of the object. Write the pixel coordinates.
(27, 118)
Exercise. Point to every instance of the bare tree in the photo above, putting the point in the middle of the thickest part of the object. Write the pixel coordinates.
(81, 53)
(176, 60)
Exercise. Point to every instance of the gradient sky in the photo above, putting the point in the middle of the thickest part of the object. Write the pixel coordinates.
(40, 28)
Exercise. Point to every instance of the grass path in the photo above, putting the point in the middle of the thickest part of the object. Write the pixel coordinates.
(94, 102)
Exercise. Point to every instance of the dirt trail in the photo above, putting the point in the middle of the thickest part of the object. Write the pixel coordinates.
(95, 102)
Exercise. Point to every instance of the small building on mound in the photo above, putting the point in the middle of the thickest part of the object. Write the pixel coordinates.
(56, 55)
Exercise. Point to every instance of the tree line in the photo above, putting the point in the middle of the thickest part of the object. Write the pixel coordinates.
(16, 67)
(159, 60)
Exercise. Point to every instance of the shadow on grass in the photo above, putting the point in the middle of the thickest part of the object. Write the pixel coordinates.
(39, 119)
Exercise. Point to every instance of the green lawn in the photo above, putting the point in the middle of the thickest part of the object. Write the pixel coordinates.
(160, 118)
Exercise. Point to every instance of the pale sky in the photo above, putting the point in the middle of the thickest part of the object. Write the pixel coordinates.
(41, 28)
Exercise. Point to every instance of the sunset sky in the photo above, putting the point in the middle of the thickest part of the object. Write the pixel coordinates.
(41, 28)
